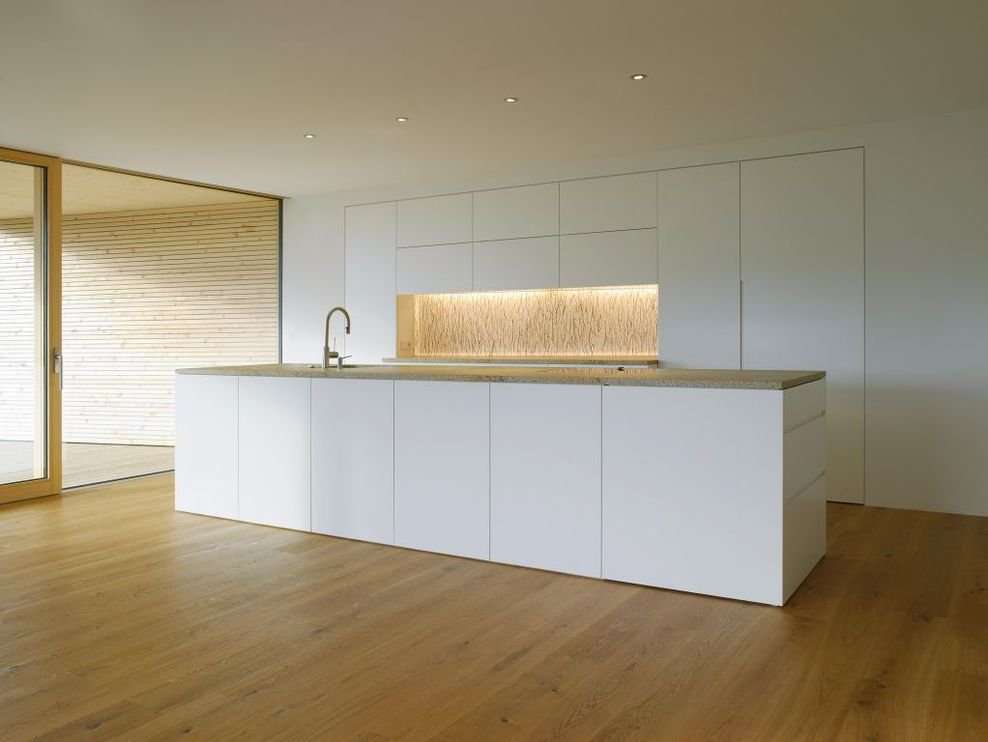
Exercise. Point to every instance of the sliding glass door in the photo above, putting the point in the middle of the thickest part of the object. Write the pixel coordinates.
(30, 325)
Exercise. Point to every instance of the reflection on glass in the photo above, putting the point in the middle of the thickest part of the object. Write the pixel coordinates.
(22, 324)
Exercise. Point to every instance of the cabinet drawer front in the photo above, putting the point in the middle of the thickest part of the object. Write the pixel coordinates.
(442, 465)
(545, 476)
(435, 270)
(609, 258)
(803, 403)
(805, 456)
(516, 264)
(436, 220)
(615, 202)
(507, 213)
(353, 459)
(274, 462)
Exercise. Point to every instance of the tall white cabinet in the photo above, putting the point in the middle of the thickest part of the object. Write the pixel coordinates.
(700, 267)
(802, 257)
(369, 270)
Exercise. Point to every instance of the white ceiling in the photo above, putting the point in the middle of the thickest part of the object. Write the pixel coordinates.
(221, 91)
(87, 190)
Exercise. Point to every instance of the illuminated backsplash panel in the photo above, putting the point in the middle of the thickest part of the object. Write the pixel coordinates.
(591, 322)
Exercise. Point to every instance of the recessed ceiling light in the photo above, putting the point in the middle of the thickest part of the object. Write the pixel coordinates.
(401, 119)
(639, 76)
(510, 99)
(309, 136)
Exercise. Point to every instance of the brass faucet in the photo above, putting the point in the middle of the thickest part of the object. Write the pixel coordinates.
(326, 352)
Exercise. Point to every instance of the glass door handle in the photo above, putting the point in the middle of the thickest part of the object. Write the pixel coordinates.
(56, 357)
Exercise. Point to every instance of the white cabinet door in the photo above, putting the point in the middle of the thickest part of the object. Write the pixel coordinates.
(802, 263)
(699, 267)
(545, 476)
(507, 213)
(603, 204)
(442, 461)
(692, 490)
(609, 259)
(274, 451)
(206, 445)
(516, 264)
(435, 270)
(353, 459)
(437, 220)
(370, 284)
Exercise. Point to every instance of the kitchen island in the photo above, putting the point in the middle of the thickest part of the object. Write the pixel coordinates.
(706, 481)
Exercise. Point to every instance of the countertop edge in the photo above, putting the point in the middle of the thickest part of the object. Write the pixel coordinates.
(521, 375)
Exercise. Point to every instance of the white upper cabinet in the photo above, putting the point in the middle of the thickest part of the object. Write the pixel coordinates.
(608, 258)
(506, 213)
(437, 220)
(434, 270)
(370, 282)
(516, 264)
(603, 204)
(802, 255)
(699, 267)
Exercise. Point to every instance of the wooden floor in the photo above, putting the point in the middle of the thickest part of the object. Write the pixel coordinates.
(122, 619)
(87, 463)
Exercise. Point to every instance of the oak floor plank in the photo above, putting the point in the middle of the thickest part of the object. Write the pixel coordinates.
(122, 619)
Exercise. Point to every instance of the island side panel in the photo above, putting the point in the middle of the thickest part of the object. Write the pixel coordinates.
(206, 445)
(692, 490)
(805, 488)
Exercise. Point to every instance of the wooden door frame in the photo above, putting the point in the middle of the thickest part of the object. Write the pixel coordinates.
(52, 483)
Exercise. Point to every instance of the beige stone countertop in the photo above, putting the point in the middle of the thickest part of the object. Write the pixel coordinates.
(533, 360)
(698, 378)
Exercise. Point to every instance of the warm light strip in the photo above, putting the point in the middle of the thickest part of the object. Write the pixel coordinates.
(578, 323)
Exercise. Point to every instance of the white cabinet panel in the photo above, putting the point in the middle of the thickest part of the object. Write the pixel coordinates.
(442, 464)
(692, 490)
(804, 524)
(353, 459)
(526, 211)
(545, 476)
(699, 267)
(609, 259)
(516, 264)
(435, 270)
(370, 284)
(274, 451)
(436, 220)
(802, 255)
(601, 204)
(206, 445)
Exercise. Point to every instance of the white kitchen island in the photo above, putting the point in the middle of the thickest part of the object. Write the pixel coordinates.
(704, 481)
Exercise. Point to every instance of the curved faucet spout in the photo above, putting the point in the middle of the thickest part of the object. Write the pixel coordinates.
(326, 352)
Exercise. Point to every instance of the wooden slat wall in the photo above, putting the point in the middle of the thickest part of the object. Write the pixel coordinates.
(146, 292)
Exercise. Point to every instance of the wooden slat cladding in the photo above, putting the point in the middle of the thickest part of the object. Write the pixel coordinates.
(146, 292)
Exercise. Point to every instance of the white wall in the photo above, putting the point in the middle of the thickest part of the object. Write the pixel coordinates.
(926, 289)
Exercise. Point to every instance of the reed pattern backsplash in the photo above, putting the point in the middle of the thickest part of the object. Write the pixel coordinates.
(612, 321)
